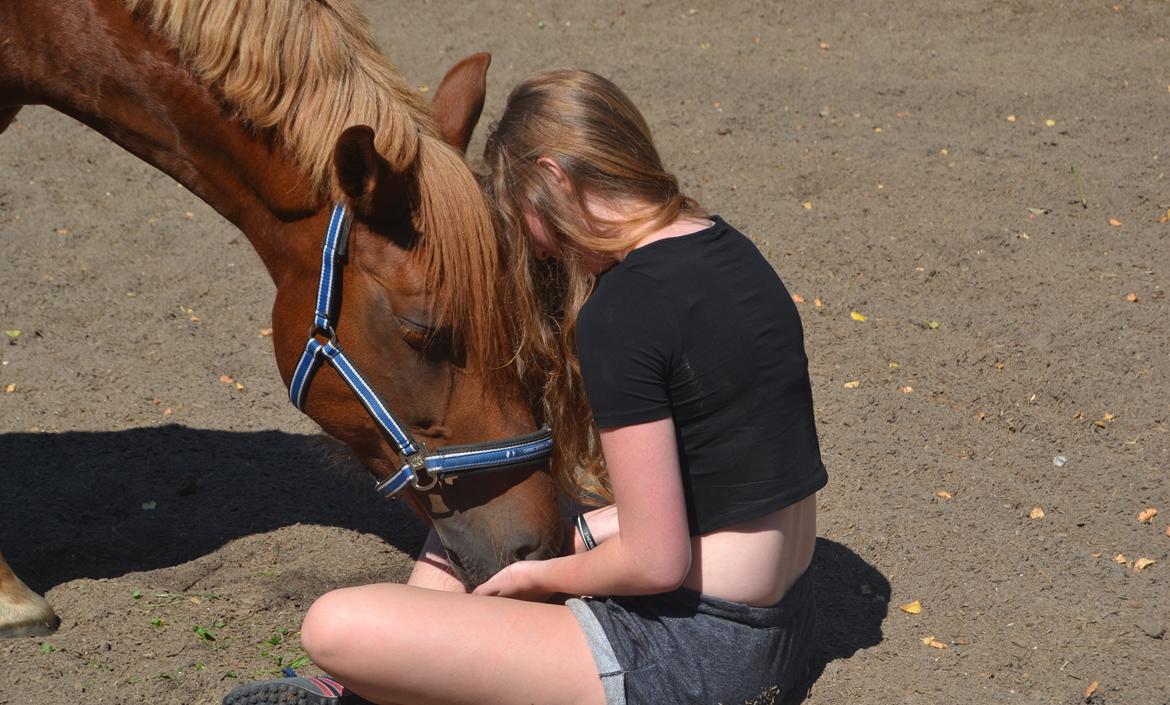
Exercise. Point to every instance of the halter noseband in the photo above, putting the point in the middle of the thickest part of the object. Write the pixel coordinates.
(421, 468)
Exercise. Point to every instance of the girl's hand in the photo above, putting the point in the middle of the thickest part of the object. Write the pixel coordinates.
(518, 581)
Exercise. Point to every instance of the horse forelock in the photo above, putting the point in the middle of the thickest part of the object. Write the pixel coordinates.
(461, 254)
(305, 70)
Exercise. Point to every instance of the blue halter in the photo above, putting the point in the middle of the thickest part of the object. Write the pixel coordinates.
(421, 468)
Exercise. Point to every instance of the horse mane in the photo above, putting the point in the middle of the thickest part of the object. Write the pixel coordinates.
(304, 71)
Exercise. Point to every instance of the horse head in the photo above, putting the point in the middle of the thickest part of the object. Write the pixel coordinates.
(258, 130)
(420, 314)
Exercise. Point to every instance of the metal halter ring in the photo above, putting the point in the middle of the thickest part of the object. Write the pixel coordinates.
(325, 333)
(418, 464)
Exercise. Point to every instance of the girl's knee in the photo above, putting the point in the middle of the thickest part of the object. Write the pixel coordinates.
(330, 626)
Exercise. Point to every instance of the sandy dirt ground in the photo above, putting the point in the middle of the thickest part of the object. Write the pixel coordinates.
(983, 181)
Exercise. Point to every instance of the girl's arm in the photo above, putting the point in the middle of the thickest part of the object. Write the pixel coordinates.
(602, 523)
(651, 551)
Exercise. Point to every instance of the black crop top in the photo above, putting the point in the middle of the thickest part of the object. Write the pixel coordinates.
(699, 327)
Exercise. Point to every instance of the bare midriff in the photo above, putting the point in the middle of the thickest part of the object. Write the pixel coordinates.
(757, 561)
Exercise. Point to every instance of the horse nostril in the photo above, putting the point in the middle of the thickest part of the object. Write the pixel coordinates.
(532, 551)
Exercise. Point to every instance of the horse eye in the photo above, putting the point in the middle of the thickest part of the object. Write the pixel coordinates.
(416, 335)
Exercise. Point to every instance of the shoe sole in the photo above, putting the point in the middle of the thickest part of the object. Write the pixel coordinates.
(276, 694)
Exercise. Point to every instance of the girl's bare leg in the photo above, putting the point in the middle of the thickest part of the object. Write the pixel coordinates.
(431, 570)
(404, 644)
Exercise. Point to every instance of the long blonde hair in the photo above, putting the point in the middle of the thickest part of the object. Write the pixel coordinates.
(601, 143)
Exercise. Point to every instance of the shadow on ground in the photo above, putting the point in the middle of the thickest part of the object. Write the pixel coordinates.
(75, 505)
(852, 599)
(93, 505)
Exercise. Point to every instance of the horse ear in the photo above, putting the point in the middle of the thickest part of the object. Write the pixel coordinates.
(375, 193)
(459, 99)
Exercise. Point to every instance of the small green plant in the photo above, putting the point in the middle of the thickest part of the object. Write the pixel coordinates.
(293, 660)
(137, 594)
(203, 633)
(47, 648)
(230, 674)
(157, 622)
(220, 624)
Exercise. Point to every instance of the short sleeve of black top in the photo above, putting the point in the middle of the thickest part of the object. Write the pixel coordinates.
(701, 329)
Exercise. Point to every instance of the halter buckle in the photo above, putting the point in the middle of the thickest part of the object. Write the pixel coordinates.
(418, 466)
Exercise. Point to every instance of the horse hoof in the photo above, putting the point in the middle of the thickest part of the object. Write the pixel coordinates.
(36, 628)
(33, 617)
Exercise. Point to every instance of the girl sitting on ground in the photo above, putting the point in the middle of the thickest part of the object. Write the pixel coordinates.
(669, 360)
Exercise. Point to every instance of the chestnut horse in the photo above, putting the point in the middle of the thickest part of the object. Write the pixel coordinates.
(252, 105)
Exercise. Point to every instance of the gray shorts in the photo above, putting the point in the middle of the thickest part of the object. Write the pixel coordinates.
(685, 648)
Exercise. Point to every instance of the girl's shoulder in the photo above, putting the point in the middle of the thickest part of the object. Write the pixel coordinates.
(627, 286)
(629, 302)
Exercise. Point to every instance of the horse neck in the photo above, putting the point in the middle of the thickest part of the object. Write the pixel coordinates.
(127, 84)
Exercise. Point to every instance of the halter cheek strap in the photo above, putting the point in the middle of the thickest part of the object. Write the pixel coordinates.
(420, 468)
